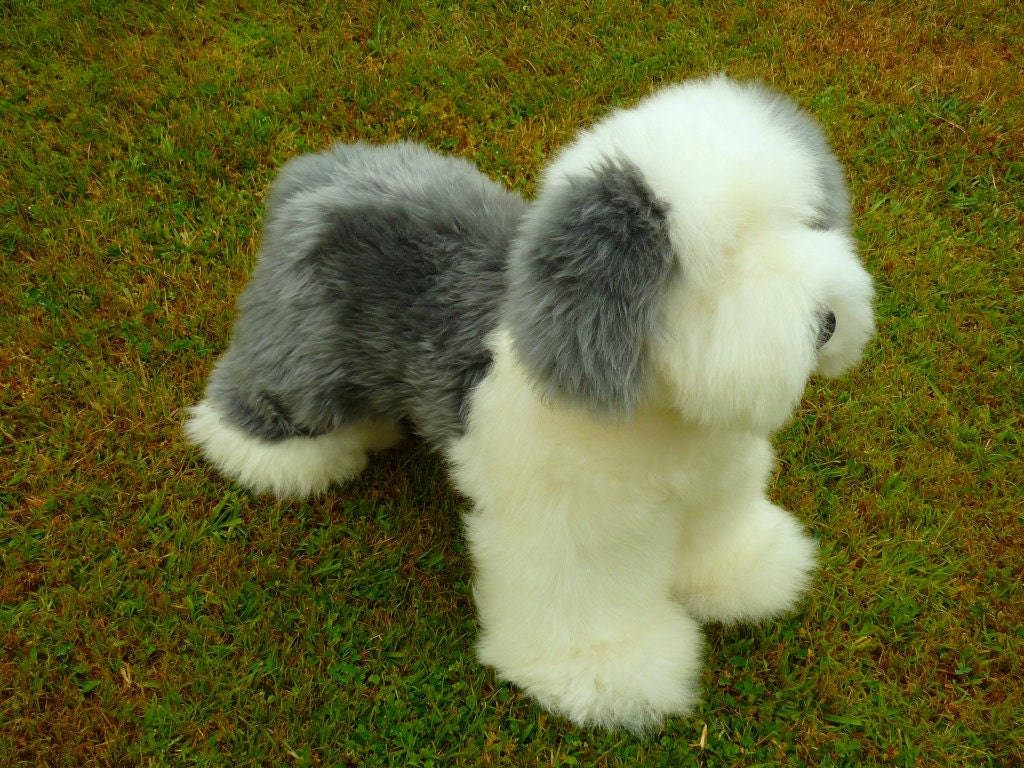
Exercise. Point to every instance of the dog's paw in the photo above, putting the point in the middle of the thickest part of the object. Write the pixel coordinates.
(631, 682)
(760, 569)
(296, 467)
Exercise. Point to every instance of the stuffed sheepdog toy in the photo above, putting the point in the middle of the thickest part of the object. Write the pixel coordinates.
(601, 367)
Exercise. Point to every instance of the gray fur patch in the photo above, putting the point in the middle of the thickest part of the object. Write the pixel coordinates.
(381, 272)
(591, 263)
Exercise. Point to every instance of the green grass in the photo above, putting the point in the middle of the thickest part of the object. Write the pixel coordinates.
(153, 614)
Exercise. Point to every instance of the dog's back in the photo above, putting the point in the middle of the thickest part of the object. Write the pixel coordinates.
(380, 275)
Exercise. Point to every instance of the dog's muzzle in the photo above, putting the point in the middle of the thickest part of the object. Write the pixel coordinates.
(826, 329)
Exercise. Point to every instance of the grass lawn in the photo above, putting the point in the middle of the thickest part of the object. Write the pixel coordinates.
(153, 614)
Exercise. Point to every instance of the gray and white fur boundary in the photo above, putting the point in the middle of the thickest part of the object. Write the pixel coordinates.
(602, 368)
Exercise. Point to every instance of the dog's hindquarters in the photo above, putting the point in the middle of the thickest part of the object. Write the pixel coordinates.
(380, 272)
(275, 417)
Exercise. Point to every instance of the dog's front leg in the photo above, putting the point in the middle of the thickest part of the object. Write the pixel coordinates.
(742, 558)
(575, 606)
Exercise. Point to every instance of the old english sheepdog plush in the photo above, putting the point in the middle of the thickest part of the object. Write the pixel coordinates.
(601, 367)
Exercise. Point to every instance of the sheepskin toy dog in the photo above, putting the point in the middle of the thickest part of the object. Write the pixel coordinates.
(602, 369)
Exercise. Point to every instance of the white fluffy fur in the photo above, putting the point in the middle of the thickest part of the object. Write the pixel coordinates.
(599, 545)
(293, 468)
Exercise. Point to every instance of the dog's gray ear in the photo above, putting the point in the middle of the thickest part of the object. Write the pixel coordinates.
(587, 272)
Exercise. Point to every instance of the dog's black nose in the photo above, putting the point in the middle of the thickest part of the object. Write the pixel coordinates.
(827, 328)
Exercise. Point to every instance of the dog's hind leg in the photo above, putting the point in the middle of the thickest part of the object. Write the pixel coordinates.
(291, 467)
(259, 447)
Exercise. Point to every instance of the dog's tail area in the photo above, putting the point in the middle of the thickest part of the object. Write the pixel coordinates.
(260, 452)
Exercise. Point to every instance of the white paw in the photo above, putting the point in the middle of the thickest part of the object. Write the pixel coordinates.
(760, 570)
(293, 468)
(633, 682)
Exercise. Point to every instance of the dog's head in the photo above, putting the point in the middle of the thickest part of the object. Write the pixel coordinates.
(693, 252)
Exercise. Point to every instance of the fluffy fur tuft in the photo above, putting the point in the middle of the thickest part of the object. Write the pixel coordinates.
(603, 368)
(294, 467)
(590, 263)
